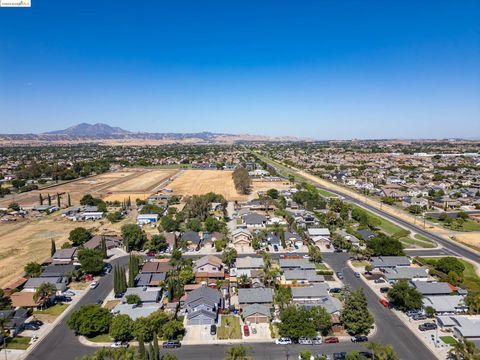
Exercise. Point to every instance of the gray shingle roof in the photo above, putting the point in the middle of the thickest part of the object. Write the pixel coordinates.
(405, 273)
(252, 296)
(145, 294)
(256, 309)
(315, 291)
(389, 261)
(254, 219)
(296, 263)
(249, 262)
(432, 288)
(203, 294)
(300, 274)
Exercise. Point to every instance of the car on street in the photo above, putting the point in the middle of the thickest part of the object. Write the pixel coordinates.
(33, 339)
(427, 326)
(94, 284)
(305, 341)
(306, 256)
(331, 340)
(339, 275)
(302, 358)
(246, 331)
(107, 269)
(171, 344)
(119, 344)
(419, 317)
(357, 274)
(317, 340)
(283, 341)
(340, 355)
(359, 338)
(324, 356)
(213, 329)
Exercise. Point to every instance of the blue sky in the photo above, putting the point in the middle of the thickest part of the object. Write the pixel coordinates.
(319, 69)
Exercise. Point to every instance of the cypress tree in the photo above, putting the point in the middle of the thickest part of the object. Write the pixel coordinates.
(141, 348)
(151, 352)
(40, 198)
(123, 278)
(53, 248)
(115, 279)
(104, 247)
(155, 345)
(58, 199)
(49, 200)
(69, 200)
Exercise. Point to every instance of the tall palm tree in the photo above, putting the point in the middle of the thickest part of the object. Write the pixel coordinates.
(44, 292)
(236, 353)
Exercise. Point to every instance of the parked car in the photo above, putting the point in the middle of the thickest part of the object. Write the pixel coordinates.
(246, 331)
(305, 341)
(317, 340)
(94, 284)
(151, 253)
(419, 317)
(367, 354)
(301, 358)
(107, 269)
(30, 326)
(213, 329)
(306, 256)
(283, 341)
(335, 290)
(37, 322)
(357, 274)
(171, 344)
(68, 293)
(119, 344)
(275, 248)
(324, 356)
(359, 338)
(63, 298)
(254, 329)
(331, 340)
(99, 301)
(339, 275)
(379, 281)
(118, 295)
(339, 356)
(384, 290)
(427, 326)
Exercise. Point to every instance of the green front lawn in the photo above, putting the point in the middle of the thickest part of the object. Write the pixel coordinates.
(54, 310)
(102, 338)
(470, 278)
(18, 343)
(360, 263)
(449, 340)
(229, 328)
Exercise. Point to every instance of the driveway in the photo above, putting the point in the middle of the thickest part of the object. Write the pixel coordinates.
(198, 334)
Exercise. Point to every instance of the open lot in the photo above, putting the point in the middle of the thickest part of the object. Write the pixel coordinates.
(199, 182)
(145, 181)
(471, 239)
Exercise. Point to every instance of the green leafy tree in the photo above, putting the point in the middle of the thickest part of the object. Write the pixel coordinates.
(381, 351)
(322, 319)
(472, 300)
(296, 323)
(212, 225)
(382, 245)
(91, 260)
(44, 292)
(158, 243)
(448, 264)
(133, 299)
(90, 320)
(143, 327)
(229, 256)
(121, 328)
(173, 329)
(273, 193)
(79, 236)
(133, 237)
(32, 269)
(315, 254)
(355, 355)
(169, 357)
(194, 225)
(404, 297)
(355, 315)
(133, 269)
(283, 296)
(465, 350)
(186, 274)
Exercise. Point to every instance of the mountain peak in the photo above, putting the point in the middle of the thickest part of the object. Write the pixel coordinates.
(89, 130)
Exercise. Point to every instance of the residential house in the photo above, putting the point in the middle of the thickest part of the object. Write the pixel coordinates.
(463, 326)
(134, 311)
(192, 239)
(64, 256)
(14, 320)
(389, 262)
(59, 282)
(156, 267)
(24, 299)
(58, 271)
(446, 304)
(256, 314)
(406, 273)
(314, 293)
(301, 277)
(292, 239)
(144, 219)
(292, 264)
(146, 295)
(319, 235)
(110, 242)
(433, 288)
(262, 296)
(241, 239)
(254, 221)
(202, 305)
(209, 268)
(150, 279)
(249, 263)
(366, 234)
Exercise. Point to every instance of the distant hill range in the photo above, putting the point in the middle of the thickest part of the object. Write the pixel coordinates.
(103, 133)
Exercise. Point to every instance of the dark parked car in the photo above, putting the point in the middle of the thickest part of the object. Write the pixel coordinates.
(340, 355)
(340, 275)
(384, 290)
(63, 299)
(275, 248)
(36, 322)
(213, 329)
(335, 290)
(427, 326)
(359, 338)
(419, 317)
(30, 326)
(367, 354)
(172, 344)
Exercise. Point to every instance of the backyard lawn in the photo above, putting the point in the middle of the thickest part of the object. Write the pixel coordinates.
(18, 343)
(449, 340)
(54, 310)
(229, 328)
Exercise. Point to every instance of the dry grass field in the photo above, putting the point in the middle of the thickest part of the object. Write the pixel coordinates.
(30, 241)
(199, 182)
(472, 239)
(146, 181)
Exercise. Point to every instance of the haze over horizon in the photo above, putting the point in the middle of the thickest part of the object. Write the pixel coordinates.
(323, 70)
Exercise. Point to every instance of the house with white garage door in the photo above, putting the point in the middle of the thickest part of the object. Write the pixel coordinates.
(202, 306)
